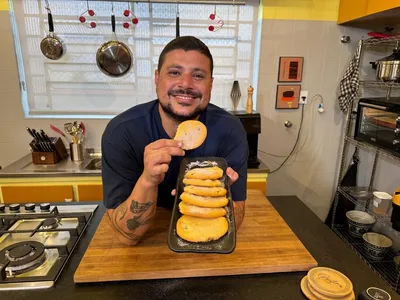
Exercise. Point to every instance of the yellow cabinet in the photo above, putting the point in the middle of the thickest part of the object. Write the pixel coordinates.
(37, 194)
(377, 6)
(351, 10)
(90, 192)
(368, 12)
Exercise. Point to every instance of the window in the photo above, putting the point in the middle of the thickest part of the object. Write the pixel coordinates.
(74, 86)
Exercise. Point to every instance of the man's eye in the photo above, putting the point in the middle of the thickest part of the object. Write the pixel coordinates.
(173, 73)
(199, 76)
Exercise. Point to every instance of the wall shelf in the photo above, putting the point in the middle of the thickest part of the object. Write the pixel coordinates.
(386, 267)
(372, 148)
(382, 219)
(379, 83)
(382, 41)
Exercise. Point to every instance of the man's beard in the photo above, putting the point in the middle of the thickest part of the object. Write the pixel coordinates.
(180, 118)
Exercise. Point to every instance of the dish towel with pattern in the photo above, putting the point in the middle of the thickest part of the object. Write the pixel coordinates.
(349, 85)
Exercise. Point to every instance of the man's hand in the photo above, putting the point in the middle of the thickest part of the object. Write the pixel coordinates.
(157, 157)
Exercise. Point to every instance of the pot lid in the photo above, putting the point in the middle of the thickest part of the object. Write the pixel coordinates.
(394, 56)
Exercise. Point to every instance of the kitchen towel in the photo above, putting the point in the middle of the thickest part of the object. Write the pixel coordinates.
(349, 85)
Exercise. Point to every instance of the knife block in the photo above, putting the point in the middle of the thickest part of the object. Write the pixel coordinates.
(48, 158)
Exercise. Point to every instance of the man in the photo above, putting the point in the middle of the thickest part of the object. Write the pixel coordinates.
(141, 160)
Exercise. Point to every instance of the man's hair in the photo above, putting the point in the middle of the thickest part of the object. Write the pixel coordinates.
(186, 43)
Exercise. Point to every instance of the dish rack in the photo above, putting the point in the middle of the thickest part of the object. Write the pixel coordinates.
(385, 267)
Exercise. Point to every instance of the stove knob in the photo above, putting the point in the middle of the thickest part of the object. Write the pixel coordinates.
(397, 132)
(14, 207)
(30, 206)
(44, 206)
(396, 142)
(2, 207)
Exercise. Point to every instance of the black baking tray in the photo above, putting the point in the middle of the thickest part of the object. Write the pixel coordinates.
(224, 245)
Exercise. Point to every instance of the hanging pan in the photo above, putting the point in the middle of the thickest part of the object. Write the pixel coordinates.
(51, 46)
(114, 58)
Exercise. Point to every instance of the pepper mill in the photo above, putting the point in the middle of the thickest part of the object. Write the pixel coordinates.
(249, 104)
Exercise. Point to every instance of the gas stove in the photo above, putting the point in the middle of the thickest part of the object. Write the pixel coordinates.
(36, 241)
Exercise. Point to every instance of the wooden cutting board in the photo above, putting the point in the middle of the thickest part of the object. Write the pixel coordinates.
(264, 244)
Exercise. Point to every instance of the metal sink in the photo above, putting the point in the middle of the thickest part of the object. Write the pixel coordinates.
(94, 164)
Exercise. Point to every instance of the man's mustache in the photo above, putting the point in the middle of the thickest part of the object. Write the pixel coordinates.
(187, 92)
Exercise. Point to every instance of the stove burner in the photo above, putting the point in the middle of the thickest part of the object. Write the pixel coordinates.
(23, 257)
(50, 223)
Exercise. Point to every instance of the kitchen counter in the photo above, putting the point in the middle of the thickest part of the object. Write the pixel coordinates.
(321, 242)
(67, 168)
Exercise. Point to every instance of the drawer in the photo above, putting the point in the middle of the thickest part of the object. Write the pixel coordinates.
(90, 192)
(37, 194)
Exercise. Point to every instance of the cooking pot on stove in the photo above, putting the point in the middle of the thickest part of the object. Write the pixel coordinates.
(388, 68)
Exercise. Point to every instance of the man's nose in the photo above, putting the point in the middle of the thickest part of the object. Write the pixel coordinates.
(186, 80)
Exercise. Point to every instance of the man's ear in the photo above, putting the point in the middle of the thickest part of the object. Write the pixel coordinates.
(156, 74)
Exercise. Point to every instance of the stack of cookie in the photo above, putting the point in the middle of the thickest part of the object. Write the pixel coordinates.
(326, 283)
(203, 206)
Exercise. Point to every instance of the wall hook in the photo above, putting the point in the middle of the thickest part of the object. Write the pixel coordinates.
(345, 39)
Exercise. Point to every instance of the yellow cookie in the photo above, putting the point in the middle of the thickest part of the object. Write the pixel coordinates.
(205, 173)
(201, 212)
(191, 133)
(204, 201)
(195, 229)
(205, 191)
(200, 182)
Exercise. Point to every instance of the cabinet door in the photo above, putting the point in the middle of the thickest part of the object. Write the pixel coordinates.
(351, 10)
(375, 6)
(258, 185)
(90, 192)
(26, 194)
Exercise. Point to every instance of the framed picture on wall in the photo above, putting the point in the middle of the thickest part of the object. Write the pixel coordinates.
(290, 69)
(287, 96)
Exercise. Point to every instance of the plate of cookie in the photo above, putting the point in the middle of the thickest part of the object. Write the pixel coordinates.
(202, 217)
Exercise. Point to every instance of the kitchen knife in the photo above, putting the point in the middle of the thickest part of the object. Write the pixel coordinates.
(35, 145)
(41, 141)
(30, 132)
(45, 137)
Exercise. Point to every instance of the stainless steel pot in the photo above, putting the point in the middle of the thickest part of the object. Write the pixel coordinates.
(114, 58)
(388, 68)
(51, 46)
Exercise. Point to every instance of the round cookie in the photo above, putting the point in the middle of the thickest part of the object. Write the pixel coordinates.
(191, 133)
(201, 182)
(204, 201)
(201, 212)
(205, 173)
(194, 229)
(205, 191)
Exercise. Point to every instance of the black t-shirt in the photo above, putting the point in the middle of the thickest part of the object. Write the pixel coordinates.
(126, 136)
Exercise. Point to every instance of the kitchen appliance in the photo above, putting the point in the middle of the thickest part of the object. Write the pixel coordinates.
(378, 123)
(388, 68)
(252, 125)
(36, 241)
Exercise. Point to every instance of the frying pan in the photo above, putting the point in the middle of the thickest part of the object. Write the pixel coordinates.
(114, 58)
(51, 46)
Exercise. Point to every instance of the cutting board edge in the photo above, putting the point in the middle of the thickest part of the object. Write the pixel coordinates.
(78, 278)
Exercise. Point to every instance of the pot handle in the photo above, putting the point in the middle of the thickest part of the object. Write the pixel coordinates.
(113, 22)
(51, 25)
(374, 64)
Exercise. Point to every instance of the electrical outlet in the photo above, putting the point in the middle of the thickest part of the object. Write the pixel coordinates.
(303, 97)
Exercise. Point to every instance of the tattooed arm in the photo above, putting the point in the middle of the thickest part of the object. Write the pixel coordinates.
(239, 208)
(133, 217)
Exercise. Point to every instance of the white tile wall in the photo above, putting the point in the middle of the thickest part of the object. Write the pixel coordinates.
(312, 174)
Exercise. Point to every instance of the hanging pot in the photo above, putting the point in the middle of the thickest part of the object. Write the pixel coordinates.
(51, 46)
(114, 58)
(388, 68)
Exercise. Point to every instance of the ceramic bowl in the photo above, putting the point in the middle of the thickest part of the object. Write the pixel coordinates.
(359, 222)
(376, 245)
